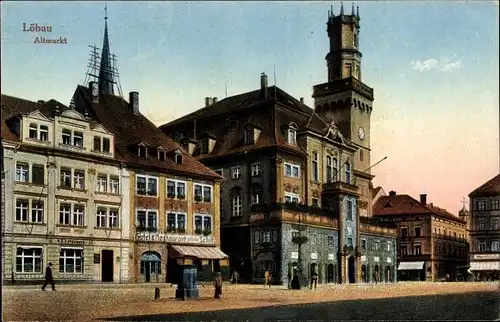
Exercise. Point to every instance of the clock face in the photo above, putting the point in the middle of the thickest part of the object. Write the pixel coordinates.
(361, 133)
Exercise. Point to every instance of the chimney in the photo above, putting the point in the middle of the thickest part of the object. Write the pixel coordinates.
(392, 193)
(94, 91)
(423, 199)
(263, 85)
(40, 102)
(302, 100)
(214, 100)
(207, 101)
(134, 102)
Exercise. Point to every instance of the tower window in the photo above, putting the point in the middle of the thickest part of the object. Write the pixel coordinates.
(361, 157)
(356, 41)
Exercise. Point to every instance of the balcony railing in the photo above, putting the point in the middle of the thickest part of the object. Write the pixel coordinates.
(341, 85)
(376, 221)
(294, 207)
(447, 237)
(340, 186)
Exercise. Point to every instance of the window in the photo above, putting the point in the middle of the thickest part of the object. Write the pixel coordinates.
(147, 186)
(202, 192)
(292, 171)
(495, 246)
(417, 231)
(495, 224)
(219, 172)
(44, 133)
(329, 168)
(161, 155)
(389, 246)
(102, 183)
(97, 143)
(292, 136)
(22, 208)
(348, 70)
(65, 176)
(404, 232)
(361, 156)
(315, 166)
(348, 173)
(114, 184)
(356, 40)
(236, 172)
(249, 137)
(38, 174)
(418, 250)
(265, 236)
(349, 209)
(28, 260)
(178, 158)
(71, 214)
(176, 189)
(71, 261)
(37, 211)
(482, 224)
(202, 224)
(78, 139)
(66, 137)
(292, 197)
(404, 250)
(107, 217)
(79, 179)
(204, 146)
(146, 219)
(363, 243)
(495, 205)
(349, 242)
(481, 205)
(482, 246)
(33, 131)
(256, 237)
(22, 172)
(331, 241)
(237, 205)
(176, 222)
(255, 169)
(105, 145)
(315, 202)
(255, 198)
(142, 151)
(376, 245)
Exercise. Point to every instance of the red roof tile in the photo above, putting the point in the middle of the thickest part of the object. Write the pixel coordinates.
(490, 188)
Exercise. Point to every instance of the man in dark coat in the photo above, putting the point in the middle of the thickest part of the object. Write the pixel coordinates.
(48, 278)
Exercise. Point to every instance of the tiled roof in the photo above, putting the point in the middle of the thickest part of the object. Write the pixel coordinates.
(11, 108)
(115, 114)
(492, 187)
(406, 205)
(273, 114)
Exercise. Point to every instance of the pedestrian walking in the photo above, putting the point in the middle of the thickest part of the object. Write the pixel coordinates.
(218, 286)
(377, 277)
(314, 278)
(269, 281)
(48, 278)
(236, 277)
(266, 278)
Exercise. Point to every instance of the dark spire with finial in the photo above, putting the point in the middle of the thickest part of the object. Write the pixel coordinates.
(357, 11)
(352, 13)
(105, 70)
(341, 8)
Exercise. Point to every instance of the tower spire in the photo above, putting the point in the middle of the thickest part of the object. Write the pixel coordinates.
(341, 8)
(352, 14)
(106, 70)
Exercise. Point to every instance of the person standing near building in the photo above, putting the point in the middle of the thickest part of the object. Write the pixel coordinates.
(48, 278)
(218, 286)
(266, 278)
(314, 277)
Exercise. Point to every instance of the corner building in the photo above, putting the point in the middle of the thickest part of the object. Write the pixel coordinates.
(297, 192)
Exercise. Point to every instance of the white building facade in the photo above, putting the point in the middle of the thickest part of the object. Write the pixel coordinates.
(66, 200)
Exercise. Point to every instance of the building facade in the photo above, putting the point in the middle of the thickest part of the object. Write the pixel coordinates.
(485, 230)
(432, 243)
(297, 189)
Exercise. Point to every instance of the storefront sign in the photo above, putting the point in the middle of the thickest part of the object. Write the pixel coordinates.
(72, 242)
(295, 255)
(487, 256)
(331, 257)
(175, 239)
(314, 255)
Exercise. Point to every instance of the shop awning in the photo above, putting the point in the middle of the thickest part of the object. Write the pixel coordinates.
(200, 252)
(485, 266)
(407, 266)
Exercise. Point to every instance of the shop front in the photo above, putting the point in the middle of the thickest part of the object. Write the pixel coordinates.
(485, 270)
(411, 271)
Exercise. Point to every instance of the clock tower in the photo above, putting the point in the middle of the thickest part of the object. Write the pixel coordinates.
(345, 99)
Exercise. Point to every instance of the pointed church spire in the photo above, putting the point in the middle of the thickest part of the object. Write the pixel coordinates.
(105, 70)
(357, 11)
(352, 13)
(341, 8)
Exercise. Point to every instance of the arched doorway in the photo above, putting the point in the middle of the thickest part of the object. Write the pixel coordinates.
(150, 266)
(376, 274)
(388, 274)
(330, 273)
(363, 273)
(351, 268)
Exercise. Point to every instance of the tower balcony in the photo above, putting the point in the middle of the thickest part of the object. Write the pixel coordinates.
(342, 85)
(339, 187)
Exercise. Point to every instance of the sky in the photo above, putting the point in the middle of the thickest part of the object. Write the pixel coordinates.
(434, 68)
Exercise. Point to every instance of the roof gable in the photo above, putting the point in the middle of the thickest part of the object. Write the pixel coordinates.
(37, 115)
(73, 114)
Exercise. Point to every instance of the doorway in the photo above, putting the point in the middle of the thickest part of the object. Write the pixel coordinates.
(150, 266)
(107, 265)
(331, 273)
(388, 274)
(363, 273)
(351, 270)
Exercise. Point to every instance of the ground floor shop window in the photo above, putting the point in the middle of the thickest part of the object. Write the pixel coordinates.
(150, 265)
(28, 260)
(71, 261)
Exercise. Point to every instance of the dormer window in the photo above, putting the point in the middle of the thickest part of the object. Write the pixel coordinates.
(78, 139)
(44, 133)
(292, 134)
(66, 137)
(40, 133)
(233, 124)
(161, 155)
(142, 151)
(101, 144)
(249, 135)
(178, 157)
(33, 131)
(73, 138)
(204, 146)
